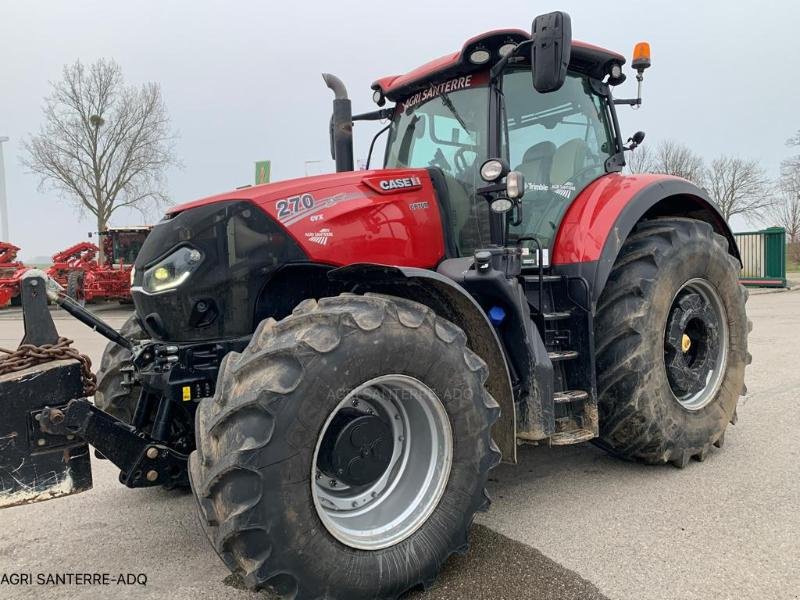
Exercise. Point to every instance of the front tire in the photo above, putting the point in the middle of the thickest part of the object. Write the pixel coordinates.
(269, 476)
(671, 343)
(117, 393)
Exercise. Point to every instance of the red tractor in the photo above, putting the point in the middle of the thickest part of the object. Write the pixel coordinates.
(335, 363)
(11, 271)
(78, 270)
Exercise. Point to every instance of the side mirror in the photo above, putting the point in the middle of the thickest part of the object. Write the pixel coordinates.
(551, 47)
(635, 140)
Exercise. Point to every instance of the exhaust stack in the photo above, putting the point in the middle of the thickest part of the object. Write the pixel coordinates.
(341, 128)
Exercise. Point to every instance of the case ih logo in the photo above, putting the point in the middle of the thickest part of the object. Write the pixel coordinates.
(401, 183)
(320, 237)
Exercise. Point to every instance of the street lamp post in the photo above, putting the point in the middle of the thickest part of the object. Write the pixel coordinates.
(3, 200)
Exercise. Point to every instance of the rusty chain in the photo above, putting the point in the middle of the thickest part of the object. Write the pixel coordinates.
(28, 355)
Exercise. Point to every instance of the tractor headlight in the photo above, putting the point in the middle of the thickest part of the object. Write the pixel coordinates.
(493, 170)
(515, 185)
(172, 271)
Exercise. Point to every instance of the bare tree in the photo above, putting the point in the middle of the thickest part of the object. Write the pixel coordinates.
(739, 187)
(794, 161)
(674, 158)
(103, 144)
(640, 160)
(786, 211)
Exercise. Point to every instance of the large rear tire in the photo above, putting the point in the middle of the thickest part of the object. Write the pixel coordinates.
(115, 393)
(284, 505)
(671, 343)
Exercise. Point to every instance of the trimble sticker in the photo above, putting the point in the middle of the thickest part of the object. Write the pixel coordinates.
(459, 83)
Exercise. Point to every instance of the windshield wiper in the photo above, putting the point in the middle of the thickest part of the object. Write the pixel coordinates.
(449, 105)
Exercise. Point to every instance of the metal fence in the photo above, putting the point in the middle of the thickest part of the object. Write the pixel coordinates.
(763, 257)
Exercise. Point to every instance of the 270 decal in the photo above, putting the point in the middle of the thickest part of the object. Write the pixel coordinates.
(294, 205)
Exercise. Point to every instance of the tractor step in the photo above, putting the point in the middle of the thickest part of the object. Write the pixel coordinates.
(545, 278)
(558, 315)
(565, 438)
(557, 355)
(568, 396)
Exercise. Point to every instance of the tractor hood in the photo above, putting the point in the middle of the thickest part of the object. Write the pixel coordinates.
(387, 216)
(202, 269)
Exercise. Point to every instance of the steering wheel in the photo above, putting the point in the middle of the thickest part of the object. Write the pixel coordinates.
(439, 160)
(462, 163)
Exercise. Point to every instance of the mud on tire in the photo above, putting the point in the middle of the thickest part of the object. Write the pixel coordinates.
(256, 439)
(640, 416)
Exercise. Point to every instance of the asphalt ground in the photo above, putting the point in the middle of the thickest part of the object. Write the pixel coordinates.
(566, 523)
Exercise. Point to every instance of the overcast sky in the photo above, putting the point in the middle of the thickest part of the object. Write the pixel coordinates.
(242, 79)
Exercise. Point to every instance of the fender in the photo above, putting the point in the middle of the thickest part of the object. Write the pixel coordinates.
(452, 302)
(600, 219)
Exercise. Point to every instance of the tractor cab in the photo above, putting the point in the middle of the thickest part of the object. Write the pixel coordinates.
(121, 245)
(457, 112)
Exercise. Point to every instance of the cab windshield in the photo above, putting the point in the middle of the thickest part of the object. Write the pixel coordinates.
(560, 141)
(445, 126)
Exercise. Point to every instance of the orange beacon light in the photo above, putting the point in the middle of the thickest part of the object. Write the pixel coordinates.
(641, 56)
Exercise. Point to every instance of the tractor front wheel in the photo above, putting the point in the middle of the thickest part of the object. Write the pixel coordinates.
(671, 343)
(117, 393)
(343, 440)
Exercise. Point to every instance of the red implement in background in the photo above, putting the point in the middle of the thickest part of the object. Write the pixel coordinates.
(86, 278)
(11, 270)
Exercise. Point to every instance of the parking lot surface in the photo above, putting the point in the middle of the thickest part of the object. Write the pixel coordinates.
(565, 523)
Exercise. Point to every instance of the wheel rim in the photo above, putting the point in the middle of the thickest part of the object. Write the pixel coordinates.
(397, 466)
(696, 344)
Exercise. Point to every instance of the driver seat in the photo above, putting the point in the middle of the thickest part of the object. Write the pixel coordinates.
(537, 163)
(568, 160)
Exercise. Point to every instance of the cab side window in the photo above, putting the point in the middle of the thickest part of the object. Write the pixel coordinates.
(559, 141)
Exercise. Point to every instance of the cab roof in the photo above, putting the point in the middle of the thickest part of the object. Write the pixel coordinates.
(586, 58)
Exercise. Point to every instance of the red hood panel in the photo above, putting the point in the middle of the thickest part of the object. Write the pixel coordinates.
(386, 216)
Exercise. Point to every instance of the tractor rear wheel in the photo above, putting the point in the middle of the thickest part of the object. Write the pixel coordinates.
(671, 343)
(346, 450)
(115, 394)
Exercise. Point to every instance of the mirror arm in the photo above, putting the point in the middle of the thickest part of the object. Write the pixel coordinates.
(375, 115)
(372, 144)
(635, 102)
(501, 64)
(629, 101)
